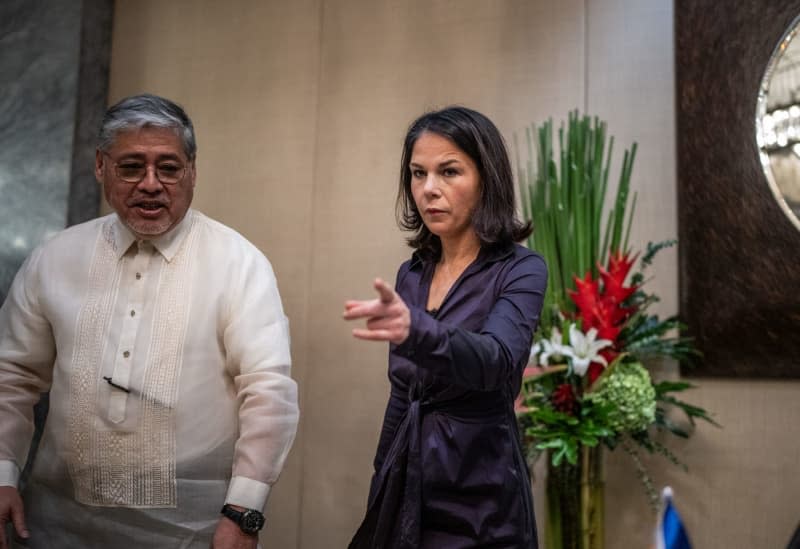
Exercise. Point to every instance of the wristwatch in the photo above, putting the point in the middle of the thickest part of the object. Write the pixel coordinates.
(249, 520)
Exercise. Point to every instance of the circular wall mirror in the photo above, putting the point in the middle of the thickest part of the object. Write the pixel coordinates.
(778, 122)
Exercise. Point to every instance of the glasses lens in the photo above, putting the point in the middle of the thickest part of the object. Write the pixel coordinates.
(169, 173)
(131, 172)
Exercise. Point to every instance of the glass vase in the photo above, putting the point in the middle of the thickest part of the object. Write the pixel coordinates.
(575, 502)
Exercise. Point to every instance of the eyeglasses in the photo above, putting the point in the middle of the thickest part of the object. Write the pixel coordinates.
(168, 172)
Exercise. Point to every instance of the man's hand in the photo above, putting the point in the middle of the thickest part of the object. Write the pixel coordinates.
(388, 318)
(11, 510)
(229, 536)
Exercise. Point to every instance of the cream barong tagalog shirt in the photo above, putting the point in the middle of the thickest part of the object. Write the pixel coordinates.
(190, 330)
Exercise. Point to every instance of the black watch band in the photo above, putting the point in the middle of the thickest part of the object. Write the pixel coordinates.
(249, 520)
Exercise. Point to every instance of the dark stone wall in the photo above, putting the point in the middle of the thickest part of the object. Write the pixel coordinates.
(54, 60)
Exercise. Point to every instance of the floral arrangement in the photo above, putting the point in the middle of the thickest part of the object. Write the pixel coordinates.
(587, 385)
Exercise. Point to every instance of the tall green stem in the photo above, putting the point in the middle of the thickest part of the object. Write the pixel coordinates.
(575, 507)
(565, 199)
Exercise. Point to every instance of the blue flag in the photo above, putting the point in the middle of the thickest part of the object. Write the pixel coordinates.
(670, 533)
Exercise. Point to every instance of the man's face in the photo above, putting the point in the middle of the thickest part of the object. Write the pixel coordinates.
(156, 203)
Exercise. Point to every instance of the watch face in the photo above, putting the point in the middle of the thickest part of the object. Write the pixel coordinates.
(252, 521)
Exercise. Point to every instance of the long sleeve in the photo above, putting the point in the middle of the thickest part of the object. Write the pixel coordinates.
(27, 352)
(256, 341)
(170, 389)
(484, 359)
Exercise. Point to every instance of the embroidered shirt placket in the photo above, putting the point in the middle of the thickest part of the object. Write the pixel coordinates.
(123, 361)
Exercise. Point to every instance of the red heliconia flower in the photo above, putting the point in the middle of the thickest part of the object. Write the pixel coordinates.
(614, 289)
(563, 399)
(593, 372)
(607, 321)
(619, 265)
(595, 368)
(599, 305)
(586, 298)
(609, 354)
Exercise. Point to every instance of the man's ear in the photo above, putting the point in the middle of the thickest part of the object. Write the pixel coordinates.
(99, 161)
(193, 173)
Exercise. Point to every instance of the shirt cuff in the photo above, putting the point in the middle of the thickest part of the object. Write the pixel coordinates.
(9, 473)
(418, 340)
(247, 493)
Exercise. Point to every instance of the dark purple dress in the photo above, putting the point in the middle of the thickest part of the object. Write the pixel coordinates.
(449, 471)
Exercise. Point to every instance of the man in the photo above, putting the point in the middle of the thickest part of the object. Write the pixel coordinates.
(161, 338)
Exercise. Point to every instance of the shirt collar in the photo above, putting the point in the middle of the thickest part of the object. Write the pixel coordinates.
(488, 254)
(167, 244)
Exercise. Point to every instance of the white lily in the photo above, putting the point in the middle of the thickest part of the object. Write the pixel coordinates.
(584, 349)
(546, 348)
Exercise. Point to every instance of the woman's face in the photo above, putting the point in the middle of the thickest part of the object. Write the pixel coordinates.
(445, 185)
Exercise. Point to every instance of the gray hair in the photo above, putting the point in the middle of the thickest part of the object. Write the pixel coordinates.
(139, 111)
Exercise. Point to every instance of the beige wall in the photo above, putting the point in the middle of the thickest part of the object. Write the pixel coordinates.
(300, 110)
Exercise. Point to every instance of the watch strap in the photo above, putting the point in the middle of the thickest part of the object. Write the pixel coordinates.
(249, 520)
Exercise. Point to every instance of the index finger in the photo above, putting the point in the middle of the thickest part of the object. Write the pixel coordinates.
(384, 291)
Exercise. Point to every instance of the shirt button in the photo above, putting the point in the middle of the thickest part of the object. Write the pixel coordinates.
(126, 354)
(138, 276)
(133, 313)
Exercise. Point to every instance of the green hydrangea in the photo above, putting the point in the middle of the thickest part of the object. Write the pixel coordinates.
(630, 394)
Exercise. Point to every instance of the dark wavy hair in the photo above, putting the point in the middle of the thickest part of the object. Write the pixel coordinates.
(495, 218)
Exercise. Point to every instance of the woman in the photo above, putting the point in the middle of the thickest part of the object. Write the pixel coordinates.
(449, 471)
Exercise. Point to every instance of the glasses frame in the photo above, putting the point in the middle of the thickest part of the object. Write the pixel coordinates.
(184, 169)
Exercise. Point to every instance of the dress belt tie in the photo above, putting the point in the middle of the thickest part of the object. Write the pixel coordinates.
(394, 512)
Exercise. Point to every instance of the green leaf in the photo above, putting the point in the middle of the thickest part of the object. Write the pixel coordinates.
(664, 422)
(663, 387)
(653, 249)
(692, 412)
